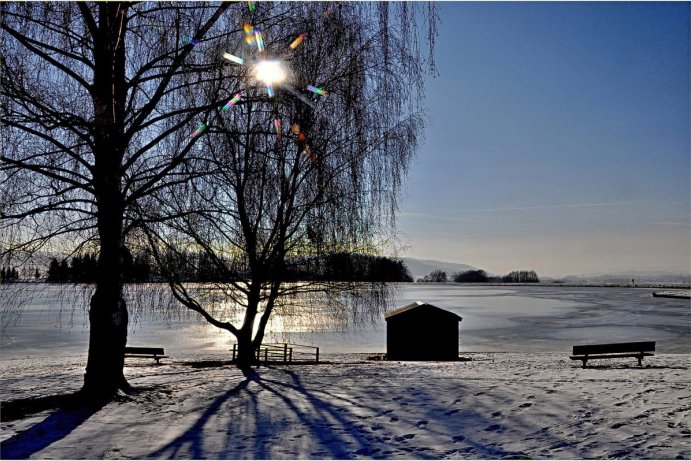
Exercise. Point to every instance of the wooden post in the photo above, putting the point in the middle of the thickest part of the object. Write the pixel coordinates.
(317, 354)
(266, 355)
(285, 352)
(235, 346)
(290, 355)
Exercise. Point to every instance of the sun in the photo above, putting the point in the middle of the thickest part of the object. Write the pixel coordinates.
(269, 72)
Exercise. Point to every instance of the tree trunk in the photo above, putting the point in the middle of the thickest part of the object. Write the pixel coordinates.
(108, 316)
(108, 313)
(247, 354)
(107, 338)
(247, 349)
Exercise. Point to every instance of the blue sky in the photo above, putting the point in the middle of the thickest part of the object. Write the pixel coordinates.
(557, 139)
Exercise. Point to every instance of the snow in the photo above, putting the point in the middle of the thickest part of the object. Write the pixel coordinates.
(497, 405)
(680, 294)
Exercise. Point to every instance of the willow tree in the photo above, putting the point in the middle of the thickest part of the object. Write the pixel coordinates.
(309, 167)
(93, 123)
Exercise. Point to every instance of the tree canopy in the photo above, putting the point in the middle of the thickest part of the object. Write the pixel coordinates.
(118, 136)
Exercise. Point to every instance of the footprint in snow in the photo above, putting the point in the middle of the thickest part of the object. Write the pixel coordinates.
(422, 423)
(493, 428)
(451, 412)
(393, 419)
(401, 438)
(525, 405)
(458, 438)
(366, 451)
(617, 425)
(497, 414)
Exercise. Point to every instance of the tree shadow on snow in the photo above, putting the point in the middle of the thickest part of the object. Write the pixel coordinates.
(190, 444)
(321, 418)
(294, 420)
(71, 412)
(268, 422)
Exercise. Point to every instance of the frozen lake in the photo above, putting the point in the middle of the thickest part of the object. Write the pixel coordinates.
(516, 318)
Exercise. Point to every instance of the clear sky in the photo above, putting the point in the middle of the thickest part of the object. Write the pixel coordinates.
(557, 140)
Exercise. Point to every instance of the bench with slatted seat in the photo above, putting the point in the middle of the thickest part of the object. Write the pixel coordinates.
(153, 352)
(613, 351)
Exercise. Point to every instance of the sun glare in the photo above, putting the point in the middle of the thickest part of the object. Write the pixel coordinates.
(269, 72)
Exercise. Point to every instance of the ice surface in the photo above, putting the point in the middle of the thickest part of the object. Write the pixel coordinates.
(520, 318)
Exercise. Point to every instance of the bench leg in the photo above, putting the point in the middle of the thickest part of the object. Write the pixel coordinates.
(640, 360)
(584, 362)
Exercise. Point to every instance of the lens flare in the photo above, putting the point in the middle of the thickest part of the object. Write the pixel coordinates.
(232, 57)
(270, 91)
(269, 72)
(189, 40)
(235, 99)
(315, 90)
(200, 129)
(249, 33)
(260, 41)
(310, 155)
(297, 41)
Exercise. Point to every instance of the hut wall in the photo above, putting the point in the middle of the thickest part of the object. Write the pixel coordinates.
(422, 336)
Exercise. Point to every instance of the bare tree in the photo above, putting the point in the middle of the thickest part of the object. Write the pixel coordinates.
(299, 175)
(93, 123)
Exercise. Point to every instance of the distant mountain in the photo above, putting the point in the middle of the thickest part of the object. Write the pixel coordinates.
(625, 278)
(422, 267)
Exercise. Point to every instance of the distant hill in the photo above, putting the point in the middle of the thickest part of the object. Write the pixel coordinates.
(643, 277)
(422, 267)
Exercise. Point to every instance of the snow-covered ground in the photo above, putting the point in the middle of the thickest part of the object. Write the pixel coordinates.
(498, 405)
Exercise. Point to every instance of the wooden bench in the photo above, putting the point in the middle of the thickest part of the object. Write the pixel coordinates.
(153, 352)
(613, 351)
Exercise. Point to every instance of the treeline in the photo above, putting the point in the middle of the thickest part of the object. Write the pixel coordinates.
(198, 267)
(84, 268)
(348, 267)
(480, 276)
(9, 274)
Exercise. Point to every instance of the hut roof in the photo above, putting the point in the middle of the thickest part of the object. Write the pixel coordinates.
(419, 305)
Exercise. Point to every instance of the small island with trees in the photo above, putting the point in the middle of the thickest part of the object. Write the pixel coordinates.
(480, 276)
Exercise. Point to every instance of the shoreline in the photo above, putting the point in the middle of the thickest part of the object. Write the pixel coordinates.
(675, 294)
(551, 284)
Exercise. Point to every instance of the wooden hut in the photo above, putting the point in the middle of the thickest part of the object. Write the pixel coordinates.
(420, 331)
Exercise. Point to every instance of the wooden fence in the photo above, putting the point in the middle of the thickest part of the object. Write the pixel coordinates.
(284, 353)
